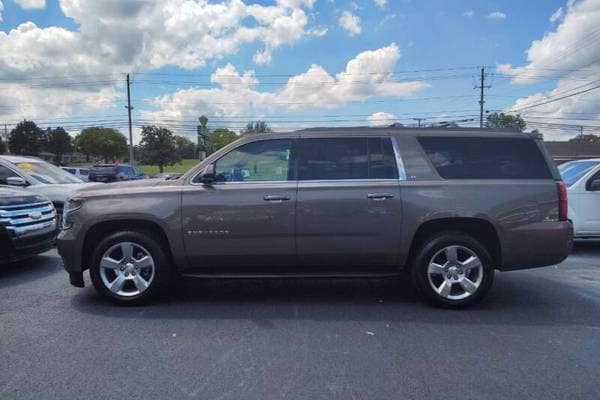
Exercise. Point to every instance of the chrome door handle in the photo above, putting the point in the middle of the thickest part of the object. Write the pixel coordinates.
(379, 196)
(276, 199)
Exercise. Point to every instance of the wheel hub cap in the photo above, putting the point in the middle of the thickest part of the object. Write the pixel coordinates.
(455, 272)
(125, 274)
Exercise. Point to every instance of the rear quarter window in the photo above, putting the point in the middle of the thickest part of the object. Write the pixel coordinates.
(485, 158)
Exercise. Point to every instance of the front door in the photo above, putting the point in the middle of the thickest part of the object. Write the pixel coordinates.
(589, 208)
(246, 218)
(348, 209)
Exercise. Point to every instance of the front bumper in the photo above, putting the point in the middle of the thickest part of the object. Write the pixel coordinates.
(69, 248)
(537, 245)
(15, 249)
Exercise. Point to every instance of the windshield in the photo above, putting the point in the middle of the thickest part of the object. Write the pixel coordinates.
(44, 172)
(573, 171)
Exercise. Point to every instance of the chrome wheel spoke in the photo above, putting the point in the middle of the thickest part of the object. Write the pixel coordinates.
(127, 249)
(110, 263)
(140, 283)
(451, 253)
(468, 285)
(435, 268)
(445, 288)
(116, 285)
(145, 262)
(471, 262)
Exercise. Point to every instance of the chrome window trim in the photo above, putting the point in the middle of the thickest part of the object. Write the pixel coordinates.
(395, 146)
(399, 163)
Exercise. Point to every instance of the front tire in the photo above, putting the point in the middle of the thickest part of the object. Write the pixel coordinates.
(453, 270)
(129, 267)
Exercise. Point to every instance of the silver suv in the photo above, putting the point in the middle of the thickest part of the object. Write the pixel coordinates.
(448, 206)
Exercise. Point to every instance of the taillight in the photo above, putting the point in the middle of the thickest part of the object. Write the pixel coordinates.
(563, 203)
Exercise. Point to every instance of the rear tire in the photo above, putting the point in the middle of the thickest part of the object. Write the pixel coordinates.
(452, 270)
(130, 267)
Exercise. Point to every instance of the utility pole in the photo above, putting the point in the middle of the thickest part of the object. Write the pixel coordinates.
(6, 138)
(129, 108)
(481, 86)
(419, 121)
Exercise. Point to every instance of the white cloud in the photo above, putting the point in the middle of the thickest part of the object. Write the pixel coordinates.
(468, 13)
(496, 15)
(381, 3)
(382, 119)
(569, 53)
(558, 14)
(114, 37)
(31, 4)
(367, 75)
(350, 22)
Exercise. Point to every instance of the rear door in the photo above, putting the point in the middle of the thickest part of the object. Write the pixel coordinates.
(348, 207)
(245, 219)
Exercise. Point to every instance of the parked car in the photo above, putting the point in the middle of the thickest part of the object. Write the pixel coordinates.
(28, 224)
(81, 173)
(114, 173)
(448, 206)
(38, 176)
(583, 185)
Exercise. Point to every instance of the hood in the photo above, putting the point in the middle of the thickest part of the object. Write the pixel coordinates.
(11, 196)
(125, 187)
(58, 192)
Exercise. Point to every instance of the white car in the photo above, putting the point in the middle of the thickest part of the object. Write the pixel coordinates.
(39, 177)
(81, 173)
(582, 178)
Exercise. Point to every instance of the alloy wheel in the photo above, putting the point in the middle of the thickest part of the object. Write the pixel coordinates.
(127, 269)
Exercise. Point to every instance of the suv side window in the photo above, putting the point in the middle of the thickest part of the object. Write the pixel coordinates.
(346, 158)
(6, 173)
(264, 160)
(485, 158)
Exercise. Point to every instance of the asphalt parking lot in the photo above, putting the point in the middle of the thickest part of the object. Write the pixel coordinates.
(537, 336)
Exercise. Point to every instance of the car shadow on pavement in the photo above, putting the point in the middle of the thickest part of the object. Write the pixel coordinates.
(26, 271)
(586, 249)
(520, 298)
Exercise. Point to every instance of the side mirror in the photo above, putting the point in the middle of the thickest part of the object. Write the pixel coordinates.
(594, 186)
(16, 181)
(207, 176)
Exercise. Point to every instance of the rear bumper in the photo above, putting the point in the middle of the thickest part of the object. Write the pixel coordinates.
(537, 245)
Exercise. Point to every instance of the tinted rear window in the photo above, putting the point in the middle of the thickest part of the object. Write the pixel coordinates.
(346, 158)
(485, 158)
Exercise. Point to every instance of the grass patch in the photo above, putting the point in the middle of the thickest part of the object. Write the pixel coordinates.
(181, 167)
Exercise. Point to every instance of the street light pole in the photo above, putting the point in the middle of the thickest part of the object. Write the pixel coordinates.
(129, 108)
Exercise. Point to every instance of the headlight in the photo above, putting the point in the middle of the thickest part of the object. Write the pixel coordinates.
(71, 205)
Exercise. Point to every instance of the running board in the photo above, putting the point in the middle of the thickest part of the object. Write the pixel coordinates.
(350, 275)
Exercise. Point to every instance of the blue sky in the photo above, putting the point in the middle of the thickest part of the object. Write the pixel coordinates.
(438, 45)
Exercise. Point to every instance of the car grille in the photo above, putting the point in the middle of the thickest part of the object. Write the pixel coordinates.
(28, 219)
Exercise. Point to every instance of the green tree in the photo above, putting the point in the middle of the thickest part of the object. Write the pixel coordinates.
(505, 121)
(2, 146)
(185, 148)
(589, 138)
(257, 127)
(106, 143)
(26, 139)
(158, 147)
(219, 138)
(59, 143)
